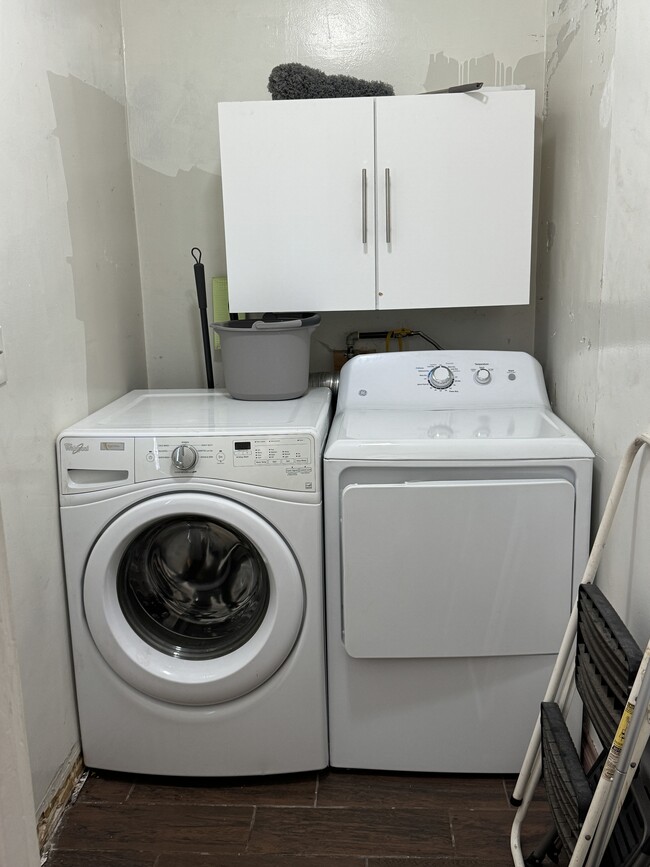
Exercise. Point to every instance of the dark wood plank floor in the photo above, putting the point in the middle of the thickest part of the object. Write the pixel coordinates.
(327, 819)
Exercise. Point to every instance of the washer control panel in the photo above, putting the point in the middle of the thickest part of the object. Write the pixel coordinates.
(281, 462)
(284, 451)
(285, 463)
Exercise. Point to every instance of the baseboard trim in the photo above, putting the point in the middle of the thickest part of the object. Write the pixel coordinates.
(64, 788)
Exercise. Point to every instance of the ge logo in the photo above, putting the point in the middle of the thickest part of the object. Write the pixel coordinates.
(363, 392)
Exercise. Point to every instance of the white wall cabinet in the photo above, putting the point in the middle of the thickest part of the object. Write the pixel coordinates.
(387, 203)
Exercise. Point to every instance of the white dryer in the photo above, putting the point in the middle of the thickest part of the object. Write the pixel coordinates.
(456, 530)
(192, 535)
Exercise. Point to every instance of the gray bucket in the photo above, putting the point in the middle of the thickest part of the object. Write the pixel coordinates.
(268, 358)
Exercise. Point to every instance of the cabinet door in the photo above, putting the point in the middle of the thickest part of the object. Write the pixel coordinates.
(459, 206)
(298, 193)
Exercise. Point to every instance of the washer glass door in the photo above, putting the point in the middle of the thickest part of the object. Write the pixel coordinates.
(193, 587)
(193, 598)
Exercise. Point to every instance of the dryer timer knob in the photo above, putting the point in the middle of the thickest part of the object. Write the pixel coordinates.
(184, 457)
(441, 377)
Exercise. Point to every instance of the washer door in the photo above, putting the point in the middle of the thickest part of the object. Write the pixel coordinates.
(193, 598)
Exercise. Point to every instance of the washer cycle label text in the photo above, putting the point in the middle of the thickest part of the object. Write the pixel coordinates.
(281, 462)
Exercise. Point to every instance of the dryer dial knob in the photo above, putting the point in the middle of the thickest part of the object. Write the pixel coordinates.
(184, 457)
(441, 377)
(483, 376)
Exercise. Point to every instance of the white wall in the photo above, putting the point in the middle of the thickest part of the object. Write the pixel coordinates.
(573, 202)
(183, 58)
(18, 840)
(623, 404)
(70, 312)
(593, 282)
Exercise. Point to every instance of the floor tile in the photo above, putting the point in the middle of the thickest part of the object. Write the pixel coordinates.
(106, 787)
(191, 860)
(540, 792)
(289, 790)
(442, 861)
(437, 791)
(335, 818)
(167, 828)
(483, 833)
(344, 831)
(75, 858)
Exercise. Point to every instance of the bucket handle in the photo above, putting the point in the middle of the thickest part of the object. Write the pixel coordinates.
(260, 325)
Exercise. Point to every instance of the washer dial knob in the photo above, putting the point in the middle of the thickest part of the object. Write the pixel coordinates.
(483, 376)
(184, 457)
(441, 376)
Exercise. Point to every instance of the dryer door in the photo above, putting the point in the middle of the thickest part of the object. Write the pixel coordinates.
(457, 568)
(193, 598)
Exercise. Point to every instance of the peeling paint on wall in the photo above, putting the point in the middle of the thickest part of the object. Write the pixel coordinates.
(604, 10)
(173, 119)
(550, 235)
(605, 109)
(565, 37)
(574, 12)
(447, 71)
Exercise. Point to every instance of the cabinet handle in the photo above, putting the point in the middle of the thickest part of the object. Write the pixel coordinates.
(387, 188)
(364, 206)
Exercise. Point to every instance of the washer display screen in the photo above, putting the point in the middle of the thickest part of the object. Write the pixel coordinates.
(193, 588)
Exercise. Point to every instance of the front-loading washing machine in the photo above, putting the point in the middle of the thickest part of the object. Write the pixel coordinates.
(456, 530)
(192, 536)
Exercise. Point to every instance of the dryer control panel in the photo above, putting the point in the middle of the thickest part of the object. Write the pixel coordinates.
(441, 379)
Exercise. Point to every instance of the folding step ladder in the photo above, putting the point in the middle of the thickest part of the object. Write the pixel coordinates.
(603, 817)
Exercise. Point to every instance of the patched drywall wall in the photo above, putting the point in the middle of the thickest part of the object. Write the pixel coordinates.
(70, 312)
(623, 375)
(593, 321)
(573, 203)
(91, 131)
(182, 59)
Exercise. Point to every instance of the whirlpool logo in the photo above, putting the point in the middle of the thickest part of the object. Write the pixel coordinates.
(75, 448)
